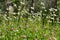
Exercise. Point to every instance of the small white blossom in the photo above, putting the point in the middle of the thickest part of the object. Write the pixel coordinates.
(32, 12)
(41, 11)
(42, 3)
(14, 17)
(51, 9)
(10, 8)
(15, 5)
(47, 17)
(49, 21)
(53, 12)
(18, 13)
(45, 10)
(55, 9)
(54, 15)
(22, 3)
(5, 15)
(43, 7)
(52, 18)
(32, 7)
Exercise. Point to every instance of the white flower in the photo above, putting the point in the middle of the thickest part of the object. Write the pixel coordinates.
(41, 11)
(15, 5)
(55, 9)
(32, 12)
(22, 3)
(47, 16)
(52, 18)
(45, 10)
(10, 8)
(18, 13)
(5, 15)
(53, 12)
(32, 7)
(14, 17)
(42, 3)
(43, 7)
(49, 21)
(54, 15)
(51, 9)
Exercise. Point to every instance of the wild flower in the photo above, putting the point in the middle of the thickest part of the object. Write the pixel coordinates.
(51, 9)
(32, 12)
(32, 8)
(54, 15)
(52, 18)
(10, 9)
(41, 11)
(22, 3)
(44, 14)
(43, 7)
(45, 10)
(18, 13)
(5, 15)
(15, 5)
(42, 3)
(15, 17)
(55, 10)
(47, 17)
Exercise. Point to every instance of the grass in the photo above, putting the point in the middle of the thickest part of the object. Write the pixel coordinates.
(27, 26)
(30, 28)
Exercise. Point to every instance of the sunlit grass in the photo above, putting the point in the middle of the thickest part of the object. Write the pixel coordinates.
(30, 28)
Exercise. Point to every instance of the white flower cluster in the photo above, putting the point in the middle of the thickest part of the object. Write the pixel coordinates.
(53, 9)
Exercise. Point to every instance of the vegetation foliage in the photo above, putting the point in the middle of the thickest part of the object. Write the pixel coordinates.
(29, 20)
